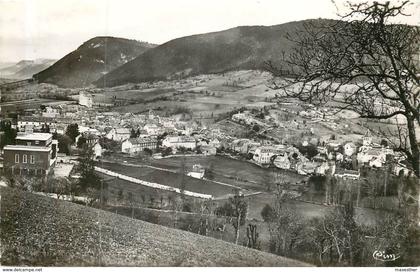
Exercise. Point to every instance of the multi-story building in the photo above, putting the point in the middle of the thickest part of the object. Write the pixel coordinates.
(135, 145)
(33, 154)
(119, 134)
(187, 142)
(36, 122)
(263, 154)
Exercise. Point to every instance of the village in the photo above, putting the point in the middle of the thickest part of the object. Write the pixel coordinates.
(298, 144)
(247, 133)
(144, 165)
(131, 135)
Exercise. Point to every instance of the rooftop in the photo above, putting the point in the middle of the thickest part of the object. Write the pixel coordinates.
(122, 131)
(27, 148)
(142, 140)
(34, 136)
(180, 139)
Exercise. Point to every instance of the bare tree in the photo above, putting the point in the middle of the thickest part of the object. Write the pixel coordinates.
(338, 235)
(252, 236)
(361, 62)
(240, 208)
(285, 226)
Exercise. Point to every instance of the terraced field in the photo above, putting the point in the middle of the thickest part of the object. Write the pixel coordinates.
(40, 231)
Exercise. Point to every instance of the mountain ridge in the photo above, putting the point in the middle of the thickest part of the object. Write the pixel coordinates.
(92, 59)
(242, 47)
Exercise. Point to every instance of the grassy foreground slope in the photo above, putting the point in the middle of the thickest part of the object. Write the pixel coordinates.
(37, 230)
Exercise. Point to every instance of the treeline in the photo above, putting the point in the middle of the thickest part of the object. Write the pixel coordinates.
(336, 239)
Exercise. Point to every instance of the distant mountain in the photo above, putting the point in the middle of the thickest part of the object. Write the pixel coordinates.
(6, 64)
(244, 47)
(25, 68)
(91, 60)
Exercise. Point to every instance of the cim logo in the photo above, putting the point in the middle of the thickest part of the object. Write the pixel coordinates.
(385, 257)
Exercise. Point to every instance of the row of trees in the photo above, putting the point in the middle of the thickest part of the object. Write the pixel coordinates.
(9, 134)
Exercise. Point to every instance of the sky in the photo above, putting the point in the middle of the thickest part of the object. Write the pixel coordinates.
(31, 29)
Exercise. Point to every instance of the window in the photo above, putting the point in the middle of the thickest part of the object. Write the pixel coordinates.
(25, 158)
(37, 142)
(32, 159)
(16, 158)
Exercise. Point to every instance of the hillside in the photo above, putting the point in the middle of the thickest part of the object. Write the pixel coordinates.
(244, 47)
(91, 60)
(37, 230)
(25, 68)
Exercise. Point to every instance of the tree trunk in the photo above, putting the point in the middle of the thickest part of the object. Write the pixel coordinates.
(351, 253)
(386, 178)
(327, 192)
(283, 245)
(236, 235)
(238, 221)
(411, 123)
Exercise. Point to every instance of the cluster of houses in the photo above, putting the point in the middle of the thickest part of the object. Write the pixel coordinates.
(332, 157)
(139, 132)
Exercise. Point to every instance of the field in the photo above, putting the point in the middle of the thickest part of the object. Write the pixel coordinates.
(204, 95)
(171, 179)
(232, 171)
(39, 231)
(141, 94)
(29, 104)
(306, 210)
